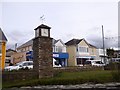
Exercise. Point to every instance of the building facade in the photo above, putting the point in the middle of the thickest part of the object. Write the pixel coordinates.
(101, 56)
(9, 54)
(59, 53)
(25, 52)
(79, 51)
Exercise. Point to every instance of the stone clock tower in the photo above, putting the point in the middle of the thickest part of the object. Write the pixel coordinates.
(42, 51)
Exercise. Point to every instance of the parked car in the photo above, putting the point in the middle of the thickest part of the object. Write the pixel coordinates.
(23, 64)
(116, 60)
(94, 63)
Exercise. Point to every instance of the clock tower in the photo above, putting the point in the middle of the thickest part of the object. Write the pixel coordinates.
(42, 51)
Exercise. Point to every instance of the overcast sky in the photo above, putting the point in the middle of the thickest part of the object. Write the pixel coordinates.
(67, 20)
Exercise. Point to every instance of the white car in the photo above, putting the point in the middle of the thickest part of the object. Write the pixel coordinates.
(95, 62)
(23, 64)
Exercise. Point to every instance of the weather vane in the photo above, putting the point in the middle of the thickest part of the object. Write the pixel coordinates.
(42, 18)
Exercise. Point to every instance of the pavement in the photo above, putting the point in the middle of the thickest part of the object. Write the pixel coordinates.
(86, 86)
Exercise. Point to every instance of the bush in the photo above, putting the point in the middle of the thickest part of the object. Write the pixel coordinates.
(112, 66)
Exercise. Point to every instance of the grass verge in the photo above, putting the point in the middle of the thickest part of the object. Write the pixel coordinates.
(67, 78)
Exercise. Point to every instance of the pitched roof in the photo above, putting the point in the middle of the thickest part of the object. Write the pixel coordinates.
(2, 36)
(73, 42)
(30, 42)
(10, 50)
(43, 26)
(92, 46)
(55, 41)
(77, 41)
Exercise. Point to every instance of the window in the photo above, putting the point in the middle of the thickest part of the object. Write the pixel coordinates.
(88, 62)
(56, 62)
(77, 49)
(87, 50)
(30, 63)
(30, 48)
(83, 49)
(37, 33)
(58, 49)
(26, 49)
(98, 62)
(25, 64)
(23, 49)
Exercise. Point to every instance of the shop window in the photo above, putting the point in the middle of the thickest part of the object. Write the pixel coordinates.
(79, 61)
(57, 62)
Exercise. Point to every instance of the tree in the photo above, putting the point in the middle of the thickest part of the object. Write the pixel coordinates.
(110, 53)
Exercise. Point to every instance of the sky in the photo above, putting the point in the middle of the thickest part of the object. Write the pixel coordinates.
(67, 20)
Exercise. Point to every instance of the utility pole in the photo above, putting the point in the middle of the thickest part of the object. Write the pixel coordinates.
(103, 45)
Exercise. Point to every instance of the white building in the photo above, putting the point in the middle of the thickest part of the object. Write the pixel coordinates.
(101, 56)
(59, 53)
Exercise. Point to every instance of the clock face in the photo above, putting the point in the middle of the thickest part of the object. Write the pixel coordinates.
(44, 32)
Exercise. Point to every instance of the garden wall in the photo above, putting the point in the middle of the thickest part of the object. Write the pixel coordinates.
(30, 74)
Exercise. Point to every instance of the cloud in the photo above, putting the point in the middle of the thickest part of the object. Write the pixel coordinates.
(98, 41)
(19, 37)
(95, 37)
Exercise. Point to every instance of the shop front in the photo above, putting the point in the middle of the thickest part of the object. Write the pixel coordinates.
(82, 59)
(61, 58)
(29, 56)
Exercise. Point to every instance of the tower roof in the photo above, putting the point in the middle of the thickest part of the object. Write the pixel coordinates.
(43, 26)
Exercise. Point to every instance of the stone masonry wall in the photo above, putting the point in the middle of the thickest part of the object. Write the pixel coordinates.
(42, 52)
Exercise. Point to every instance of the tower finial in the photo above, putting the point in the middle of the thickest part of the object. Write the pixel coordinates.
(42, 18)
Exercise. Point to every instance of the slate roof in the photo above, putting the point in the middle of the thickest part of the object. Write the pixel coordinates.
(30, 42)
(2, 36)
(73, 42)
(92, 46)
(77, 41)
(54, 41)
(43, 26)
